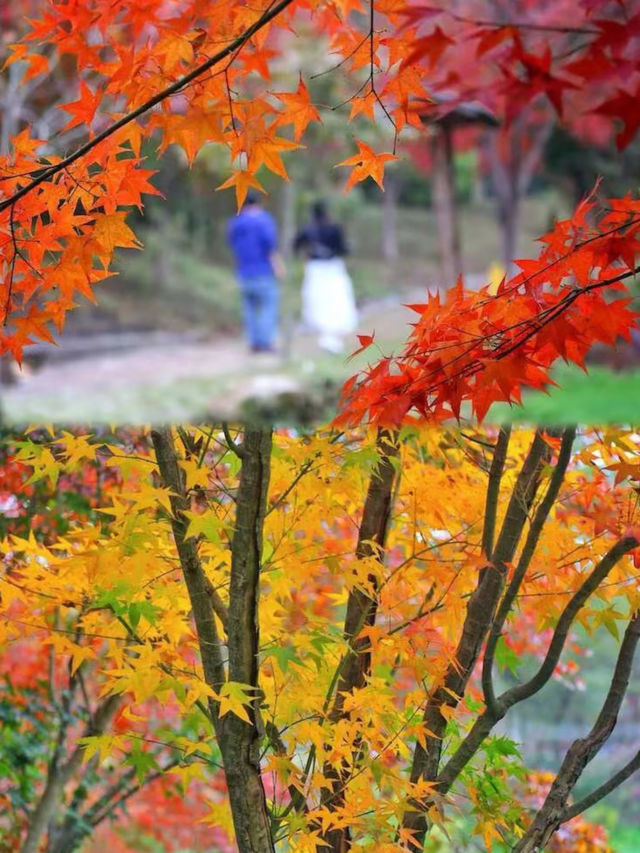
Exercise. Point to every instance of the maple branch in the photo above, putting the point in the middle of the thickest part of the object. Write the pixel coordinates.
(197, 583)
(105, 807)
(478, 619)
(298, 801)
(233, 447)
(531, 326)
(12, 267)
(554, 811)
(526, 25)
(68, 836)
(50, 171)
(531, 542)
(355, 665)
(304, 469)
(536, 682)
(59, 773)
(239, 739)
(488, 719)
(605, 789)
(493, 490)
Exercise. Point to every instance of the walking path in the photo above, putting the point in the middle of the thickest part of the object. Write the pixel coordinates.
(170, 378)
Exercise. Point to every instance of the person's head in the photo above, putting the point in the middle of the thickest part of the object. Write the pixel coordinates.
(319, 211)
(252, 200)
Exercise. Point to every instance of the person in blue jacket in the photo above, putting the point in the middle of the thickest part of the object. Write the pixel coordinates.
(253, 237)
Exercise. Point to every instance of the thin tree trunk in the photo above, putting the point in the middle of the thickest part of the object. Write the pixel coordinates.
(59, 773)
(238, 740)
(509, 214)
(287, 237)
(477, 623)
(554, 810)
(361, 612)
(444, 189)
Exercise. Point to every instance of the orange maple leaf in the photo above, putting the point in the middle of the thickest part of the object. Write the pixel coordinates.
(299, 110)
(367, 164)
(241, 180)
(84, 109)
(365, 342)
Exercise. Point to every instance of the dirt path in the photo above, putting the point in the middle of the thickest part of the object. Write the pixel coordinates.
(181, 380)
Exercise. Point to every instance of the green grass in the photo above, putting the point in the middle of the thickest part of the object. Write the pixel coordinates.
(625, 839)
(599, 397)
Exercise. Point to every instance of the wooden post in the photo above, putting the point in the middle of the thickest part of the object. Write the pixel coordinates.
(444, 190)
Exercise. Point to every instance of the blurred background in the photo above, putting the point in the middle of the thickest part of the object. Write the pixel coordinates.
(166, 339)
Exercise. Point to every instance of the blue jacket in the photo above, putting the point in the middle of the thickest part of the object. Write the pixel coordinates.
(253, 237)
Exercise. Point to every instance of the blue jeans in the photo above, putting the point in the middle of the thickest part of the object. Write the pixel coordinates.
(260, 304)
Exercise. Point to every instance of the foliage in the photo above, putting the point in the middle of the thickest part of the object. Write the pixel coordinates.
(320, 617)
(51, 246)
(107, 598)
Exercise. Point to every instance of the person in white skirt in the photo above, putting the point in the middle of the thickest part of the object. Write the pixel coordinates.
(328, 304)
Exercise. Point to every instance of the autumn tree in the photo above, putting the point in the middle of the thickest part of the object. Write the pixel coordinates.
(50, 699)
(343, 662)
(346, 670)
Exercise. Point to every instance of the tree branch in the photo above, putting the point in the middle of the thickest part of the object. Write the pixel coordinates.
(362, 607)
(487, 720)
(197, 583)
(173, 89)
(531, 542)
(478, 619)
(240, 740)
(603, 790)
(554, 811)
(493, 490)
(59, 775)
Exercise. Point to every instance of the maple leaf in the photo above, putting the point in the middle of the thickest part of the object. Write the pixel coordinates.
(299, 111)
(625, 107)
(111, 231)
(367, 164)
(431, 46)
(365, 343)
(242, 180)
(84, 109)
(234, 698)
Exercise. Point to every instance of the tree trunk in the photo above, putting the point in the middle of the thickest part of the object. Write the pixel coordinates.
(237, 739)
(240, 741)
(59, 773)
(509, 216)
(444, 189)
(554, 810)
(287, 236)
(361, 612)
(477, 622)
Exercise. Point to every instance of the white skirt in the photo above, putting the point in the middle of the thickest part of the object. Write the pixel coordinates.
(328, 304)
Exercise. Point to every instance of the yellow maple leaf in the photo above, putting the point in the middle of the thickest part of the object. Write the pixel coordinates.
(111, 231)
(234, 697)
